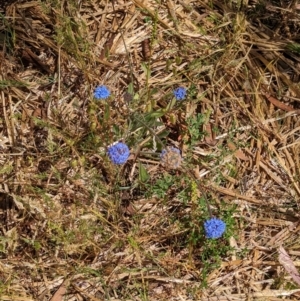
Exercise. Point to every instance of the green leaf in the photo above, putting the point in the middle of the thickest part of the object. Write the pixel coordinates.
(294, 47)
(171, 104)
(155, 114)
(143, 174)
(146, 69)
(130, 88)
(106, 112)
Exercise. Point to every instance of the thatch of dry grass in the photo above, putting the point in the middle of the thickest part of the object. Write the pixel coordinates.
(75, 227)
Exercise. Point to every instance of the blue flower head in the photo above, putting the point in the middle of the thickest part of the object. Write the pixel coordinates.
(180, 93)
(101, 92)
(214, 228)
(118, 153)
(171, 157)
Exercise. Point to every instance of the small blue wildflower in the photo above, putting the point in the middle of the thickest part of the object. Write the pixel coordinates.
(118, 153)
(101, 92)
(180, 93)
(171, 157)
(214, 228)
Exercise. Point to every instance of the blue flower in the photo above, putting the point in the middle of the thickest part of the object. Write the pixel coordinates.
(171, 157)
(214, 228)
(101, 92)
(118, 153)
(180, 93)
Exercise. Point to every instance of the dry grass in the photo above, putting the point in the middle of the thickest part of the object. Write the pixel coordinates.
(75, 227)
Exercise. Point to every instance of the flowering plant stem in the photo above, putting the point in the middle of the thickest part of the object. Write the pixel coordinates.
(184, 169)
(200, 187)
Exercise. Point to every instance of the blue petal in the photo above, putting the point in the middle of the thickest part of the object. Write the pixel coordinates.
(118, 153)
(180, 93)
(214, 228)
(101, 92)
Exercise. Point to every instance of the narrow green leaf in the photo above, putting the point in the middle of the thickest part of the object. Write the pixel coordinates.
(143, 174)
(106, 112)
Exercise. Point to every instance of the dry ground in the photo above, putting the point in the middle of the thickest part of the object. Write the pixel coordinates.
(75, 227)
